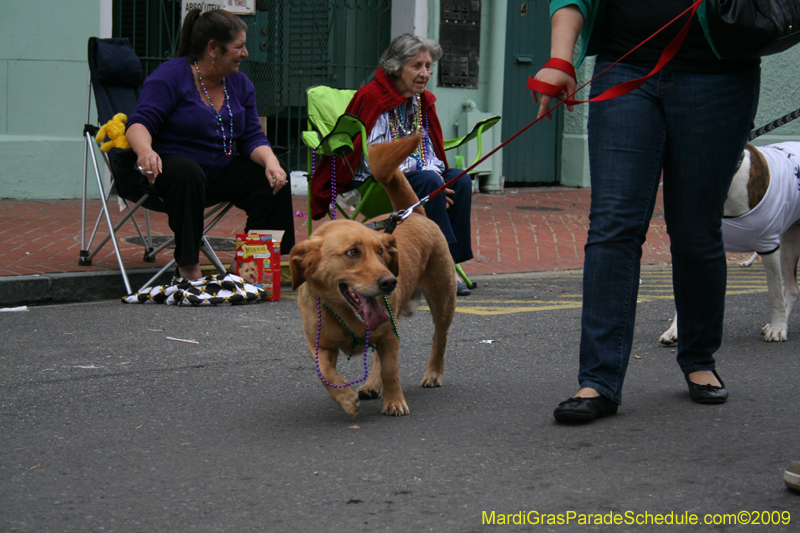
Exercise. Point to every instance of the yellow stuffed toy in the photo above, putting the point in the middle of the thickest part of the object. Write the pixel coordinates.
(114, 129)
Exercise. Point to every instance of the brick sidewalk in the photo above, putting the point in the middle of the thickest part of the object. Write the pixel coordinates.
(531, 230)
(521, 230)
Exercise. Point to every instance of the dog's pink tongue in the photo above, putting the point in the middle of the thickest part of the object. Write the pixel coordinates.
(374, 314)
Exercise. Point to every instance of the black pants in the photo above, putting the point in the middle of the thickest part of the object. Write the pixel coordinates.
(185, 194)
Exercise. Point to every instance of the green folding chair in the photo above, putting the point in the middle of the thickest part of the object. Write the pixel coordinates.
(332, 132)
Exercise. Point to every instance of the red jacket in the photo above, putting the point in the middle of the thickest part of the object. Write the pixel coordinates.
(369, 103)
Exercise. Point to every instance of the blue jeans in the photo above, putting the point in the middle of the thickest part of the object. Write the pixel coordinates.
(455, 221)
(694, 127)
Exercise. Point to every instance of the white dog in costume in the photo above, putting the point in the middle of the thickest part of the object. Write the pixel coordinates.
(762, 214)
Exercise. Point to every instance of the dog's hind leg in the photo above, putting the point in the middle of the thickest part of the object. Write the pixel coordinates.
(443, 309)
(671, 335)
(775, 330)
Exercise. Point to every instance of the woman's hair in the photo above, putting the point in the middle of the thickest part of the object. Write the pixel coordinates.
(200, 27)
(405, 47)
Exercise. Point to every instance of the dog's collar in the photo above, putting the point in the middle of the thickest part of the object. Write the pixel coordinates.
(395, 218)
(387, 225)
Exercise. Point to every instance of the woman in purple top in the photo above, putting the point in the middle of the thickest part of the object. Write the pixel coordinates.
(196, 138)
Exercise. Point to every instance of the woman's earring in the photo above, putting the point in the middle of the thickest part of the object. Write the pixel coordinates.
(213, 66)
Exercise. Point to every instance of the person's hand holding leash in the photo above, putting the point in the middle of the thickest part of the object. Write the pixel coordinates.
(566, 26)
(553, 77)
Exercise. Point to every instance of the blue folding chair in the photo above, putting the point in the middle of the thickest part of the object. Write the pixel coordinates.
(115, 79)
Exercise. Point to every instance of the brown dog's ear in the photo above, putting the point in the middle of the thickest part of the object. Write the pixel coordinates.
(303, 260)
(390, 254)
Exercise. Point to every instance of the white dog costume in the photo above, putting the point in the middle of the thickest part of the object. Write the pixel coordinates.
(760, 229)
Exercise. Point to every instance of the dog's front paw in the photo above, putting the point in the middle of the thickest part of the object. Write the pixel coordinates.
(669, 337)
(432, 379)
(395, 408)
(347, 400)
(368, 392)
(774, 334)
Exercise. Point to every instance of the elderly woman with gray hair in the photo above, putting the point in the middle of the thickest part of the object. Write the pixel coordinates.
(394, 105)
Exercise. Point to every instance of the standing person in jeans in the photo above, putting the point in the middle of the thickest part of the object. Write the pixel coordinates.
(692, 120)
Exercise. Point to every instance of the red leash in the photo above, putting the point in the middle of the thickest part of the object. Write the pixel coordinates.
(555, 92)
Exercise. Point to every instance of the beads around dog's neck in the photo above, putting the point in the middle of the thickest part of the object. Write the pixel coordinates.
(316, 354)
(353, 341)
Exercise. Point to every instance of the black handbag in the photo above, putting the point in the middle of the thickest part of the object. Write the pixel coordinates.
(752, 28)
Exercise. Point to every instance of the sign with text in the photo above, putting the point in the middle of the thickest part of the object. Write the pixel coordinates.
(238, 7)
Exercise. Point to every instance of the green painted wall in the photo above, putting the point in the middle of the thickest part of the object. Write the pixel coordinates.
(779, 95)
(43, 79)
(453, 103)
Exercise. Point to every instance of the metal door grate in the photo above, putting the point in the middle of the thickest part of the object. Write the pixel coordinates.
(293, 45)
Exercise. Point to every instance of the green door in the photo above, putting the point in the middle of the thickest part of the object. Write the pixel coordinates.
(533, 157)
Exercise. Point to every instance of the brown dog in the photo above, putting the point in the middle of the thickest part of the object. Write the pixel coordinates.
(346, 269)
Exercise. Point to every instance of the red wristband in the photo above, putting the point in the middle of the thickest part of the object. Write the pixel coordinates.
(563, 66)
(545, 88)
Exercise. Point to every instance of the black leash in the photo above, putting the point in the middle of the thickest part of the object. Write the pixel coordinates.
(774, 124)
(777, 123)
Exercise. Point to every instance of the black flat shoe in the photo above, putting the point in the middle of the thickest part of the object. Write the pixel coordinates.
(462, 289)
(707, 394)
(584, 409)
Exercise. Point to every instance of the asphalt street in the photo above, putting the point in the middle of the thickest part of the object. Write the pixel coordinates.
(107, 425)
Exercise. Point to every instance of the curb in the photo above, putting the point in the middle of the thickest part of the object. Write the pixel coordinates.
(76, 287)
(70, 287)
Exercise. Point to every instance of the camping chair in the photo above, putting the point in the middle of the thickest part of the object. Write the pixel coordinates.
(115, 77)
(330, 132)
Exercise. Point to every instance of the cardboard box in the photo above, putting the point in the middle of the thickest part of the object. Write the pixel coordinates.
(258, 260)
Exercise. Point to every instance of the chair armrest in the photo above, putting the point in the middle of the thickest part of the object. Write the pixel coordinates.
(311, 139)
(477, 131)
(340, 140)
